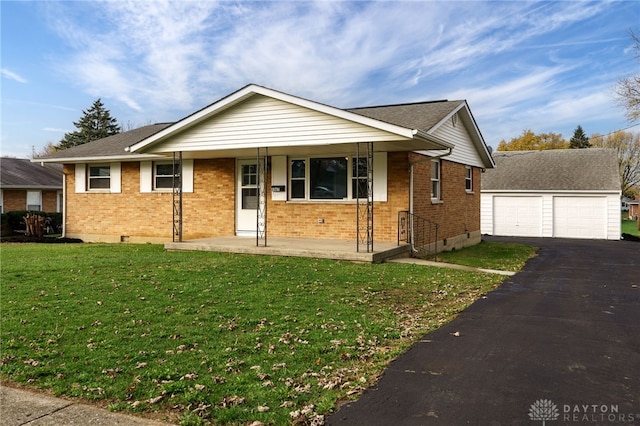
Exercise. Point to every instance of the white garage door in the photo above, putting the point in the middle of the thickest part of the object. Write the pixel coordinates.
(517, 216)
(580, 217)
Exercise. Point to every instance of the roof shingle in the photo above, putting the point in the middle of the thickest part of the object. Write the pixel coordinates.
(110, 146)
(20, 173)
(553, 170)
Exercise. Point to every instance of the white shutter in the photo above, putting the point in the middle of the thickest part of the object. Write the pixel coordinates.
(279, 177)
(187, 175)
(379, 176)
(115, 178)
(81, 178)
(146, 176)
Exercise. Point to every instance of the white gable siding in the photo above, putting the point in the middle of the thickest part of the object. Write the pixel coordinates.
(464, 151)
(270, 122)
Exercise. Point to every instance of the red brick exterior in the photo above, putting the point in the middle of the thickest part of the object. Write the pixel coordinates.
(210, 210)
(16, 200)
(458, 213)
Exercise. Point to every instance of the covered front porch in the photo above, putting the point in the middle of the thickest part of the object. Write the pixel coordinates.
(296, 247)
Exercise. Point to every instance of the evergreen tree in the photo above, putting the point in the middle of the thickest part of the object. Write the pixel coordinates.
(579, 139)
(96, 123)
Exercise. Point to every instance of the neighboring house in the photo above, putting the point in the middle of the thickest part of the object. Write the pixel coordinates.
(261, 162)
(29, 186)
(634, 209)
(566, 193)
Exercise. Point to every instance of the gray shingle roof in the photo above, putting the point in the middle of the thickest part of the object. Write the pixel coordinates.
(111, 146)
(553, 170)
(23, 174)
(422, 116)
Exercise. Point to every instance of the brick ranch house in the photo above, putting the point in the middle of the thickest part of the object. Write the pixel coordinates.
(28, 186)
(260, 163)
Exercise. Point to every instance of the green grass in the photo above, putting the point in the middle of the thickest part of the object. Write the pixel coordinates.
(200, 338)
(629, 226)
(491, 255)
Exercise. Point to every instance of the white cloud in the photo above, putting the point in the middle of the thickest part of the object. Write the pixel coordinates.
(506, 58)
(12, 75)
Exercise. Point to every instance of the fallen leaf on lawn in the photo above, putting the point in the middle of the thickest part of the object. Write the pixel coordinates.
(263, 408)
(155, 400)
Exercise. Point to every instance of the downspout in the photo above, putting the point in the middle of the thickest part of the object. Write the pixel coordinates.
(437, 157)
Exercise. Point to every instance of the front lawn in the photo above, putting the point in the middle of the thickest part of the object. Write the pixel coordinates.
(491, 255)
(200, 337)
(630, 226)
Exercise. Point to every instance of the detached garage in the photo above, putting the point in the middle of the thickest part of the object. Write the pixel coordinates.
(569, 193)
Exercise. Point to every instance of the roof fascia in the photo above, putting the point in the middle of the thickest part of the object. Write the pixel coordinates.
(253, 89)
(99, 159)
(34, 187)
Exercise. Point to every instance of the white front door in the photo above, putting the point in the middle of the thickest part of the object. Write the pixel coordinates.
(246, 198)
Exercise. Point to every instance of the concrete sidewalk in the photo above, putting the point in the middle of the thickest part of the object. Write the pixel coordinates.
(19, 407)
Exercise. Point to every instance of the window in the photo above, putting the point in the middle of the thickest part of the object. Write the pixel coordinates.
(328, 178)
(335, 178)
(298, 178)
(34, 200)
(164, 174)
(249, 186)
(99, 176)
(359, 187)
(468, 179)
(435, 179)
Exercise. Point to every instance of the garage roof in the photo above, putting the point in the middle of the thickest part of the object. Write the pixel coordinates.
(554, 170)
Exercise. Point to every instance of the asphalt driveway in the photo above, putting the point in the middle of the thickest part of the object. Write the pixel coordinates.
(558, 342)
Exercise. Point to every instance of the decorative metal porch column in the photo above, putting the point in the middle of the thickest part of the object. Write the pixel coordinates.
(261, 217)
(177, 197)
(364, 197)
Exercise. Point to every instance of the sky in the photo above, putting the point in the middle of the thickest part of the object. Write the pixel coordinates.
(543, 66)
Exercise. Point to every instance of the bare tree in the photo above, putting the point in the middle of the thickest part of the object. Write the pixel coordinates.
(628, 88)
(49, 148)
(627, 145)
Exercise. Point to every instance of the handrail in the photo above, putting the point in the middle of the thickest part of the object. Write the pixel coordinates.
(420, 232)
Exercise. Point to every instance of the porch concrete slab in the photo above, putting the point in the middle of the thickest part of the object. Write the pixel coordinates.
(296, 247)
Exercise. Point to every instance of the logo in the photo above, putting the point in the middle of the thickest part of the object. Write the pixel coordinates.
(544, 410)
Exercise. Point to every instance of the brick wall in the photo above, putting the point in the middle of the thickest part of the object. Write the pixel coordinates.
(16, 200)
(458, 213)
(300, 219)
(210, 210)
(134, 216)
(49, 201)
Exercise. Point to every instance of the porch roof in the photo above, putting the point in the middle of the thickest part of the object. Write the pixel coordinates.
(285, 124)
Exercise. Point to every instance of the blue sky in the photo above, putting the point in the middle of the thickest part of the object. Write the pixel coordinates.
(544, 66)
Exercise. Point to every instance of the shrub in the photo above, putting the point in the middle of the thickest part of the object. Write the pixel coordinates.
(14, 221)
